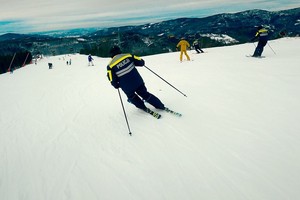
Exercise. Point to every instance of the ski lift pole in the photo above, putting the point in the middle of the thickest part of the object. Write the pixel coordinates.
(124, 112)
(25, 60)
(165, 81)
(12, 60)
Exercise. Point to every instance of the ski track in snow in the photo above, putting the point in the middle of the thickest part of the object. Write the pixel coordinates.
(63, 133)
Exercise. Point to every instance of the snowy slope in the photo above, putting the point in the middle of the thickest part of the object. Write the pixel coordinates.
(63, 134)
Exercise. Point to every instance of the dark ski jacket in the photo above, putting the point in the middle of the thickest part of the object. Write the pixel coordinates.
(262, 34)
(122, 72)
(90, 58)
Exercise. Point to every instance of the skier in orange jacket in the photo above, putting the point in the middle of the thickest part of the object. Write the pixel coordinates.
(183, 46)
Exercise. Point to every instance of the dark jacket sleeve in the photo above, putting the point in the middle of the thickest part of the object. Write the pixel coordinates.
(138, 61)
(255, 37)
(112, 77)
(252, 40)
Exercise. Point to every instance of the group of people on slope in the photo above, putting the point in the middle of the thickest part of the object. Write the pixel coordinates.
(184, 45)
(122, 72)
(261, 35)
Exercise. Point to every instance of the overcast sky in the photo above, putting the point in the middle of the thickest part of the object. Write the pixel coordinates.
(29, 16)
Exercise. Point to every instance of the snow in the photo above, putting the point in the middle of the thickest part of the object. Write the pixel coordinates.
(81, 39)
(226, 39)
(63, 133)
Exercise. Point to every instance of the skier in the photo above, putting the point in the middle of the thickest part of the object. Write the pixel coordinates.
(197, 47)
(90, 59)
(262, 34)
(183, 44)
(122, 73)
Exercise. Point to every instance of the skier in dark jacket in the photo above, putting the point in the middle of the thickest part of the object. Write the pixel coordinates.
(197, 47)
(90, 59)
(262, 34)
(122, 73)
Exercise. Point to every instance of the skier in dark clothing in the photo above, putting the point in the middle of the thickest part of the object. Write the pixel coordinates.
(197, 47)
(122, 73)
(90, 59)
(262, 34)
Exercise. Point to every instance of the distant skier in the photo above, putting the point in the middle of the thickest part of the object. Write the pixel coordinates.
(90, 59)
(282, 34)
(183, 44)
(262, 34)
(122, 73)
(197, 47)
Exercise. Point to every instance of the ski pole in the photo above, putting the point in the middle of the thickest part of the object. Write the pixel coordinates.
(11, 62)
(271, 48)
(165, 80)
(124, 112)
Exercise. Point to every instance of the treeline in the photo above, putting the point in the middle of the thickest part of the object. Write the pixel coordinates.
(142, 45)
(97, 48)
(16, 61)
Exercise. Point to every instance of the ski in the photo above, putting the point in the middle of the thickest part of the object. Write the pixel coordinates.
(250, 56)
(158, 116)
(173, 112)
(154, 114)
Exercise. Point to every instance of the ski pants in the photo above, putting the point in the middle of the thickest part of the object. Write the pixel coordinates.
(198, 49)
(185, 53)
(141, 91)
(260, 47)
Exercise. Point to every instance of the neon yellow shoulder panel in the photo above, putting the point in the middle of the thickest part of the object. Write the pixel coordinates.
(117, 59)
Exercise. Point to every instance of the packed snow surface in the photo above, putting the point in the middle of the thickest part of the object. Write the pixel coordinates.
(63, 133)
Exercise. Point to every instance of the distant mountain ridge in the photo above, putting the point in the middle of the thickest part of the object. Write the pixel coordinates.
(153, 38)
(237, 25)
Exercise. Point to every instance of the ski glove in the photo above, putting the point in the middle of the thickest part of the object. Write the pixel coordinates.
(116, 85)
